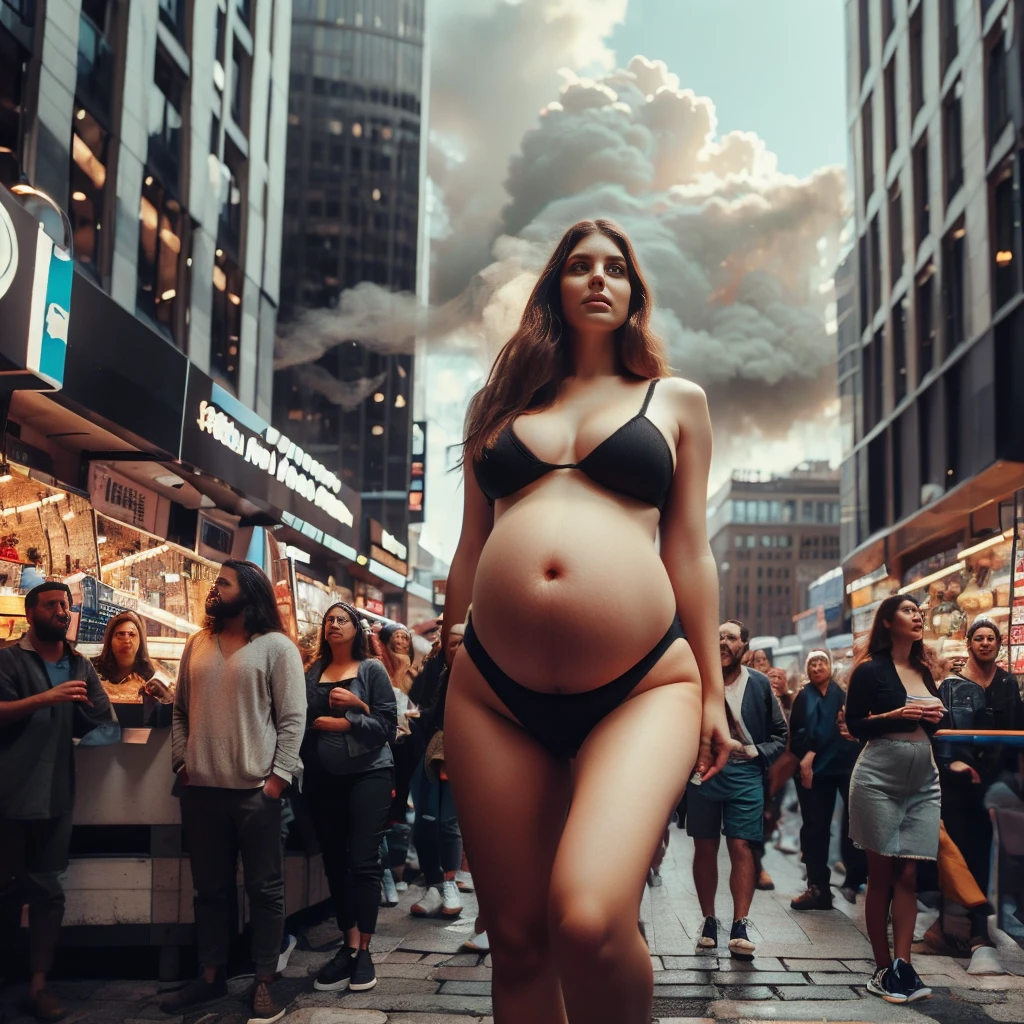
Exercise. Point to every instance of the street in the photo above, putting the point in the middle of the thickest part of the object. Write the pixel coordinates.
(810, 966)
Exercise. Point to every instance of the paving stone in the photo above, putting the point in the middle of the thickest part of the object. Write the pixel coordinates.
(129, 991)
(686, 992)
(685, 1020)
(690, 963)
(760, 963)
(436, 1018)
(1012, 1011)
(466, 988)
(438, 1003)
(406, 970)
(461, 973)
(681, 978)
(864, 1011)
(863, 966)
(431, 958)
(463, 960)
(751, 992)
(656, 964)
(403, 987)
(852, 979)
(981, 998)
(815, 965)
(759, 978)
(400, 956)
(818, 992)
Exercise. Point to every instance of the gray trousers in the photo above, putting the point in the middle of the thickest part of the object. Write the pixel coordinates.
(220, 824)
(33, 855)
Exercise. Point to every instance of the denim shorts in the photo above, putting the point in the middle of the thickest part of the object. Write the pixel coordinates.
(894, 800)
(731, 803)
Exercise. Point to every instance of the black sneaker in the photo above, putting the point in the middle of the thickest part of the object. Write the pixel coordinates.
(886, 984)
(708, 938)
(910, 981)
(336, 974)
(740, 945)
(195, 994)
(364, 975)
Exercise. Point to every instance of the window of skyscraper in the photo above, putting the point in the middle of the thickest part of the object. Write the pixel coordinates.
(95, 56)
(924, 315)
(226, 321)
(1006, 230)
(891, 118)
(172, 14)
(89, 158)
(952, 142)
(922, 200)
(166, 96)
(949, 40)
(13, 71)
(896, 257)
(997, 98)
(954, 286)
(164, 263)
(917, 60)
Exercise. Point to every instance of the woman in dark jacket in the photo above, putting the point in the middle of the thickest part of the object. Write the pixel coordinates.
(348, 781)
(894, 789)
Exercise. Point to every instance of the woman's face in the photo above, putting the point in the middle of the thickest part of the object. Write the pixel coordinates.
(400, 643)
(124, 643)
(339, 629)
(907, 623)
(595, 286)
(759, 661)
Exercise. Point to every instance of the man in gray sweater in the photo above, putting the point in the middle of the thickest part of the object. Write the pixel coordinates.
(239, 719)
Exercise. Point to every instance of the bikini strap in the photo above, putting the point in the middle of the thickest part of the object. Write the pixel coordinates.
(647, 399)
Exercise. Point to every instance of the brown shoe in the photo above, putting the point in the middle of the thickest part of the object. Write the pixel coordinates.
(46, 1006)
(265, 1009)
(764, 881)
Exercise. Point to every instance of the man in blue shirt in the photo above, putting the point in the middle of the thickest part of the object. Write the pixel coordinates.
(826, 760)
(49, 695)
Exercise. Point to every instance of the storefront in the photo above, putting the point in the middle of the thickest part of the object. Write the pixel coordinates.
(960, 559)
(134, 483)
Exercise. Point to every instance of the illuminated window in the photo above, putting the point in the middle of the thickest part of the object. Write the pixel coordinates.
(164, 264)
(226, 321)
(89, 145)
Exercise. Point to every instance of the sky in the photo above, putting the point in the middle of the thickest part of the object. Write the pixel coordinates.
(771, 66)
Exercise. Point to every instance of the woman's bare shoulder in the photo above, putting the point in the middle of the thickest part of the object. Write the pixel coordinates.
(687, 399)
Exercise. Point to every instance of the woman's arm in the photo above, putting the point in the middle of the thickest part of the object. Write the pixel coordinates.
(477, 522)
(378, 727)
(691, 567)
(860, 697)
(327, 723)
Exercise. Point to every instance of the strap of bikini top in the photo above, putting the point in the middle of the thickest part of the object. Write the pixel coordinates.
(647, 399)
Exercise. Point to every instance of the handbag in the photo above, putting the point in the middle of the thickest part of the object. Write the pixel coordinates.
(433, 759)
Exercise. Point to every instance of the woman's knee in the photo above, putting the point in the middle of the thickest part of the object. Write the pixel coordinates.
(584, 925)
(520, 947)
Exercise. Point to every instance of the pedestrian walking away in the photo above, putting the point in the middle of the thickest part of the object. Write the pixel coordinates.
(49, 695)
(239, 719)
(579, 451)
(348, 784)
(732, 803)
(892, 703)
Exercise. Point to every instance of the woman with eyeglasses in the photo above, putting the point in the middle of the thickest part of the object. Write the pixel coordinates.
(349, 778)
(128, 673)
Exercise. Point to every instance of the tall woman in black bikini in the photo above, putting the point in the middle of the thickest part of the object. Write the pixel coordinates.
(577, 455)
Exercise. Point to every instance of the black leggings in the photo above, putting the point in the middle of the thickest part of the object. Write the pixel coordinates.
(350, 815)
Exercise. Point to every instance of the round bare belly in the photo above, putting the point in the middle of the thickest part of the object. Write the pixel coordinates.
(570, 594)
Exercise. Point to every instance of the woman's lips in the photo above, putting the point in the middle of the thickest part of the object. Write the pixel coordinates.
(598, 302)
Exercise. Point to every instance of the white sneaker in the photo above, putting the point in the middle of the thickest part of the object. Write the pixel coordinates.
(451, 898)
(464, 880)
(479, 943)
(402, 886)
(429, 903)
(985, 960)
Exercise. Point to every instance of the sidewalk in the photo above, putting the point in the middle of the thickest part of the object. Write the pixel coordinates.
(810, 966)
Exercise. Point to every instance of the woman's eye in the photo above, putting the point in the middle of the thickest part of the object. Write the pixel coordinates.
(616, 269)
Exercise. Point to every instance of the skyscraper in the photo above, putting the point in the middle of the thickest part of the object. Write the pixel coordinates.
(352, 216)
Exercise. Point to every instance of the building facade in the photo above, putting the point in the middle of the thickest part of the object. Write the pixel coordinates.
(772, 537)
(352, 218)
(159, 126)
(934, 380)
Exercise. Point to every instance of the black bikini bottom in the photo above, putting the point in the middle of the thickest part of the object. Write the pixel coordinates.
(560, 722)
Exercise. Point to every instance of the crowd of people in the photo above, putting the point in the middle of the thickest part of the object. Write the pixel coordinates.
(358, 717)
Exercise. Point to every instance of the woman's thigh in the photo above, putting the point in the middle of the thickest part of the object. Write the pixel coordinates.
(511, 797)
(368, 807)
(630, 775)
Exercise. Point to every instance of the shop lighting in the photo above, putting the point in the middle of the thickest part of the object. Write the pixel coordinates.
(79, 197)
(69, 515)
(5, 473)
(379, 397)
(399, 401)
(376, 430)
(362, 560)
(236, 300)
(928, 580)
(168, 295)
(81, 114)
(149, 179)
(986, 544)
(101, 538)
(1004, 258)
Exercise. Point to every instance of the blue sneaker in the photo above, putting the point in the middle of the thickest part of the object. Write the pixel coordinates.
(910, 981)
(741, 947)
(886, 984)
(708, 938)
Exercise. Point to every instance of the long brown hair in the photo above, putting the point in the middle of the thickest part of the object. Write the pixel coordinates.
(532, 366)
(106, 664)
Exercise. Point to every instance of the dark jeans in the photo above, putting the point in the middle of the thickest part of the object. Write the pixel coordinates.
(350, 814)
(32, 856)
(220, 824)
(436, 833)
(969, 826)
(817, 806)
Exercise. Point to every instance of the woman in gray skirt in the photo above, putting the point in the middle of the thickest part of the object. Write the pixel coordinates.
(894, 790)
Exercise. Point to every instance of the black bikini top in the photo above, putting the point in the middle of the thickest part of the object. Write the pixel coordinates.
(635, 461)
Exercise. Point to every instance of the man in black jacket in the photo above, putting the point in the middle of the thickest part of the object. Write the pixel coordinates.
(732, 803)
(49, 694)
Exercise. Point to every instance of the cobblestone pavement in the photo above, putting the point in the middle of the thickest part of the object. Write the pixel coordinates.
(810, 966)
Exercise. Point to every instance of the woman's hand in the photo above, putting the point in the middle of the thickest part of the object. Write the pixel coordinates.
(807, 770)
(716, 744)
(934, 713)
(342, 700)
(962, 766)
(325, 723)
